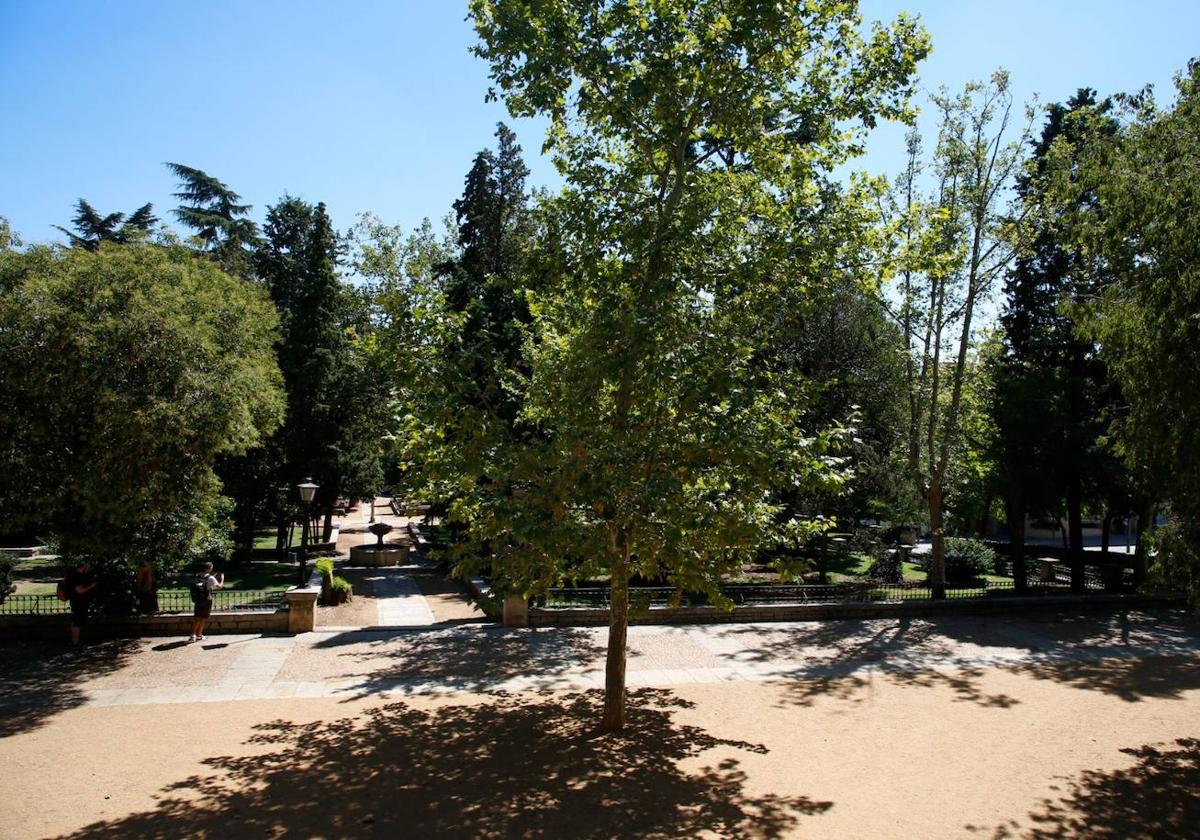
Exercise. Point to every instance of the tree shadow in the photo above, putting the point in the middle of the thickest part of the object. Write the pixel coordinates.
(508, 767)
(1129, 654)
(1130, 678)
(38, 680)
(840, 659)
(1158, 797)
(467, 658)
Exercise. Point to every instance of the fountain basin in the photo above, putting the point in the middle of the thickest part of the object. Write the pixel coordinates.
(387, 554)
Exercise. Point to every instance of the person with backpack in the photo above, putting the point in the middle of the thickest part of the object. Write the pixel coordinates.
(202, 599)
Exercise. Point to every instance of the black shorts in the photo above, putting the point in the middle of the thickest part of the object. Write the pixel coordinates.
(203, 609)
(79, 612)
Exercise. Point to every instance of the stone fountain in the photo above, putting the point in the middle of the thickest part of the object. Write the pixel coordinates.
(381, 553)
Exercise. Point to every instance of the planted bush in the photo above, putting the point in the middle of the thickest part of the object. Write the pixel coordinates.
(888, 567)
(6, 577)
(341, 590)
(968, 560)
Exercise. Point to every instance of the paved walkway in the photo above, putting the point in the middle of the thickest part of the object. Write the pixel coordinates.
(818, 657)
(397, 596)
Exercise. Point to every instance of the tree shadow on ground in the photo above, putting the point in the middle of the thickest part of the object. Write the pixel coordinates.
(469, 658)
(1158, 797)
(839, 660)
(1129, 654)
(38, 680)
(508, 767)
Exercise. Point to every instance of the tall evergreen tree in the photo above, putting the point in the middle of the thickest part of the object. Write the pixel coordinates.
(1050, 383)
(329, 433)
(217, 215)
(481, 283)
(92, 228)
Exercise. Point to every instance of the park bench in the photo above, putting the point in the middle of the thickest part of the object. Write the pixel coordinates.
(419, 541)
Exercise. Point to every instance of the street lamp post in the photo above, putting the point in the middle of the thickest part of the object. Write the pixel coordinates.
(307, 491)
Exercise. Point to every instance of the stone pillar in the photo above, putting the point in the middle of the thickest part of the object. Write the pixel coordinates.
(516, 612)
(1046, 568)
(302, 607)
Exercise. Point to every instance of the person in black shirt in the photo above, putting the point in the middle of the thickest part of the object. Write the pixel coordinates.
(81, 587)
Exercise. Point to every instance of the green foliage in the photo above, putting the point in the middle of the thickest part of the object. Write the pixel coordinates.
(7, 587)
(1052, 391)
(336, 400)
(887, 567)
(1141, 228)
(968, 560)
(342, 586)
(843, 343)
(951, 245)
(324, 566)
(217, 215)
(696, 141)
(145, 364)
(91, 228)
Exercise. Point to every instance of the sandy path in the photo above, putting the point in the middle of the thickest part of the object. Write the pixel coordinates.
(887, 757)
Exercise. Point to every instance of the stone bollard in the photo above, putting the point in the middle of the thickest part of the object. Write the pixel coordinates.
(1046, 569)
(516, 612)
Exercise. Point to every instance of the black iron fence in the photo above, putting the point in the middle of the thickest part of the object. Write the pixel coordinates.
(170, 601)
(847, 592)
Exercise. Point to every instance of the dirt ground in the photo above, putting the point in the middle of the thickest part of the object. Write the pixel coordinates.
(1018, 756)
(360, 611)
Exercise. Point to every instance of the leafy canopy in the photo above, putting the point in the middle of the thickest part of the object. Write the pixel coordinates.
(145, 363)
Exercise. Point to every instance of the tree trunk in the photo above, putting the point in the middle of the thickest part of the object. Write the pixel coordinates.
(1106, 532)
(283, 533)
(937, 560)
(618, 627)
(327, 528)
(1016, 541)
(1075, 531)
(1141, 560)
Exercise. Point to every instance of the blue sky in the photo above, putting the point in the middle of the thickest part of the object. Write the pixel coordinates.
(379, 106)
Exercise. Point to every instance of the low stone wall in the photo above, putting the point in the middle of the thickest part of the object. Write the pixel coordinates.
(298, 616)
(580, 617)
(171, 624)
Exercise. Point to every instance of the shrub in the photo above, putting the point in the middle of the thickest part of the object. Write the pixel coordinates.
(888, 567)
(6, 581)
(324, 566)
(968, 559)
(341, 589)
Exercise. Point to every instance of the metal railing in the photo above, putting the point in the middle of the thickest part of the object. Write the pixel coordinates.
(169, 601)
(33, 605)
(847, 592)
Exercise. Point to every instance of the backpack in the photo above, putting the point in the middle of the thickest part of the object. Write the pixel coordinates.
(200, 591)
(61, 590)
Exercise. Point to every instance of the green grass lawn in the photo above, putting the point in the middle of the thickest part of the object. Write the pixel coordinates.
(40, 576)
(37, 575)
(847, 567)
(266, 539)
